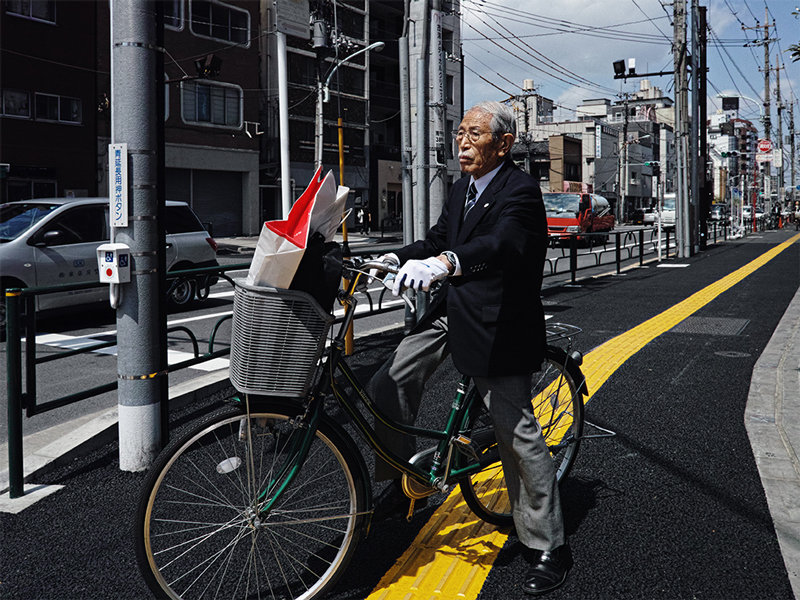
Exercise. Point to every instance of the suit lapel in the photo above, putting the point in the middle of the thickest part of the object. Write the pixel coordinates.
(485, 202)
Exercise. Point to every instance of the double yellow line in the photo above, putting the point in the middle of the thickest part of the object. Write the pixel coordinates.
(453, 553)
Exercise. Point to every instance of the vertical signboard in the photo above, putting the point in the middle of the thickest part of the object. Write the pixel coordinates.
(293, 18)
(118, 185)
(598, 141)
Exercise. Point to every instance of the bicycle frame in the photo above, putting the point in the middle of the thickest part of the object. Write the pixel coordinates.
(436, 475)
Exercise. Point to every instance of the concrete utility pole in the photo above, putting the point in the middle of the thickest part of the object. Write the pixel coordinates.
(623, 188)
(422, 157)
(779, 106)
(134, 87)
(792, 164)
(682, 228)
(694, 137)
(705, 191)
(438, 158)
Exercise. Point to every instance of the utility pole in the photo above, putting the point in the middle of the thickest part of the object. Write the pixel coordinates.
(438, 170)
(779, 106)
(134, 79)
(694, 138)
(766, 119)
(422, 155)
(705, 188)
(623, 171)
(792, 164)
(681, 130)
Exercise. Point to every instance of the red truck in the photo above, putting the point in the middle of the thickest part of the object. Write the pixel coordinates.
(569, 212)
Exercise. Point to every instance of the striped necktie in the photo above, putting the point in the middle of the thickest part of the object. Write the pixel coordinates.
(472, 197)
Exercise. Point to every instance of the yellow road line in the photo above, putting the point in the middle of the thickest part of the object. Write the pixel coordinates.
(453, 553)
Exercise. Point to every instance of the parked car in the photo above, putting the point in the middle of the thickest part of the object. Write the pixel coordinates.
(52, 241)
(569, 213)
(649, 217)
(719, 212)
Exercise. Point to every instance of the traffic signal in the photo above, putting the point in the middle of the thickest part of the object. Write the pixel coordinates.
(656, 166)
(730, 154)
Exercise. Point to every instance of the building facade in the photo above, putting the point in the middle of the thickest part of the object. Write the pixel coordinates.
(56, 115)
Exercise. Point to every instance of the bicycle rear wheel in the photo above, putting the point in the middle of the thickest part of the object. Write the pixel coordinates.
(558, 405)
(201, 529)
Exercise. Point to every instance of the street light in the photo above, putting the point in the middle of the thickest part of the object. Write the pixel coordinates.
(323, 96)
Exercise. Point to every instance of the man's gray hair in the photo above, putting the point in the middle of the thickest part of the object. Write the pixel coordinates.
(503, 120)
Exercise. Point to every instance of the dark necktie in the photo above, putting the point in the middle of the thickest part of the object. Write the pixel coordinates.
(472, 197)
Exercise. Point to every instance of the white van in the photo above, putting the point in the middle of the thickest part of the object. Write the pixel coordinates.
(668, 209)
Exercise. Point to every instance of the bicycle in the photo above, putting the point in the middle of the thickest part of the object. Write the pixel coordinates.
(269, 496)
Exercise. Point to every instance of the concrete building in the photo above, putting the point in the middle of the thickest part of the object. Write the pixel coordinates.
(57, 113)
(365, 94)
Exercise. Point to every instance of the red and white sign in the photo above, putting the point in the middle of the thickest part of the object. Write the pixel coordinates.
(764, 146)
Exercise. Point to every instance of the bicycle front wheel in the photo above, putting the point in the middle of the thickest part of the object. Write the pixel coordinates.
(558, 406)
(202, 530)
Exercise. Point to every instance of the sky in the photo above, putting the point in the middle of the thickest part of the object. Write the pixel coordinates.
(568, 46)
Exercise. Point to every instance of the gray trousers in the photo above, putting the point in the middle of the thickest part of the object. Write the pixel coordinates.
(530, 475)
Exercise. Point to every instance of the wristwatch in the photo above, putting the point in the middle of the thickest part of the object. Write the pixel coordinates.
(451, 258)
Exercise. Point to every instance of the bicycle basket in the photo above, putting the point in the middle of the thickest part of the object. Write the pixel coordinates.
(277, 338)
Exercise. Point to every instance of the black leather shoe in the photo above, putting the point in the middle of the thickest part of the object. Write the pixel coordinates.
(548, 570)
(392, 503)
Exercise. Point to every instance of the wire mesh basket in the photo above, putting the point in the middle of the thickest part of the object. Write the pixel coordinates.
(277, 339)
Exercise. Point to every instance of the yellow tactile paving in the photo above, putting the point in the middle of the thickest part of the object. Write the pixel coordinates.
(454, 552)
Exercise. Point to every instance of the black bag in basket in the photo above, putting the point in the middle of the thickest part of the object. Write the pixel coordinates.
(320, 271)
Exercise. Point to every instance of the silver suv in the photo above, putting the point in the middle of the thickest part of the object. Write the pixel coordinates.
(52, 241)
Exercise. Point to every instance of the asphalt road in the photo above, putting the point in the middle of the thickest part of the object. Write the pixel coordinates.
(671, 508)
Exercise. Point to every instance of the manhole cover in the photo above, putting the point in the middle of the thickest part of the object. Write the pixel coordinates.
(731, 354)
(711, 326)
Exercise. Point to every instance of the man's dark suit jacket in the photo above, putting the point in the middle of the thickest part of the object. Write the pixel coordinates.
(494, 309)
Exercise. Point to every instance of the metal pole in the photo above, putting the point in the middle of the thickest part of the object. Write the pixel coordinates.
(694, 138)
(133, 113)
(283, 125)
(14, 389)
(438, 169)
(318, 122)
(405, 142)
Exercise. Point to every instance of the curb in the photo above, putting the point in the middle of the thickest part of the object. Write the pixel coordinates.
(774, 432)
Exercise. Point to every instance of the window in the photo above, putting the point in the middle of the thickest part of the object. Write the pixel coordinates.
(173, 14)
(81, 225)
(62, 109)
(16, 104)
(40, 10)
(449, 89)
(211, 104)
(220, 21)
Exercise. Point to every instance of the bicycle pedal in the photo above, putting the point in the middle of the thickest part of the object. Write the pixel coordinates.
(465, 445)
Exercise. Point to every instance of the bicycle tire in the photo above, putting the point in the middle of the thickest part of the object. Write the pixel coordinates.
(558, 405)
(197, 533)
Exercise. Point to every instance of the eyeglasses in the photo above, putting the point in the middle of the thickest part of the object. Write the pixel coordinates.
(473, 135)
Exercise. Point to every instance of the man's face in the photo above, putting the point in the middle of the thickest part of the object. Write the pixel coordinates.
(478, 151)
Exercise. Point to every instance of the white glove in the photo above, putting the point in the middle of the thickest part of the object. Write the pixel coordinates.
(390, 259)
(419, 275)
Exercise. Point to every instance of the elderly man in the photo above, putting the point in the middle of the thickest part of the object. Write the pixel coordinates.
(490, 242)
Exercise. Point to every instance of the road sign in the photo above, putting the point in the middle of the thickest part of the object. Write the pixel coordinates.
(764, 145)
(764, 157)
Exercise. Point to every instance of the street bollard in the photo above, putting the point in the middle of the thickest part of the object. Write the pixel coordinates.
(573, 257)
(14, 388)
(641, 247)
(618, 253)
